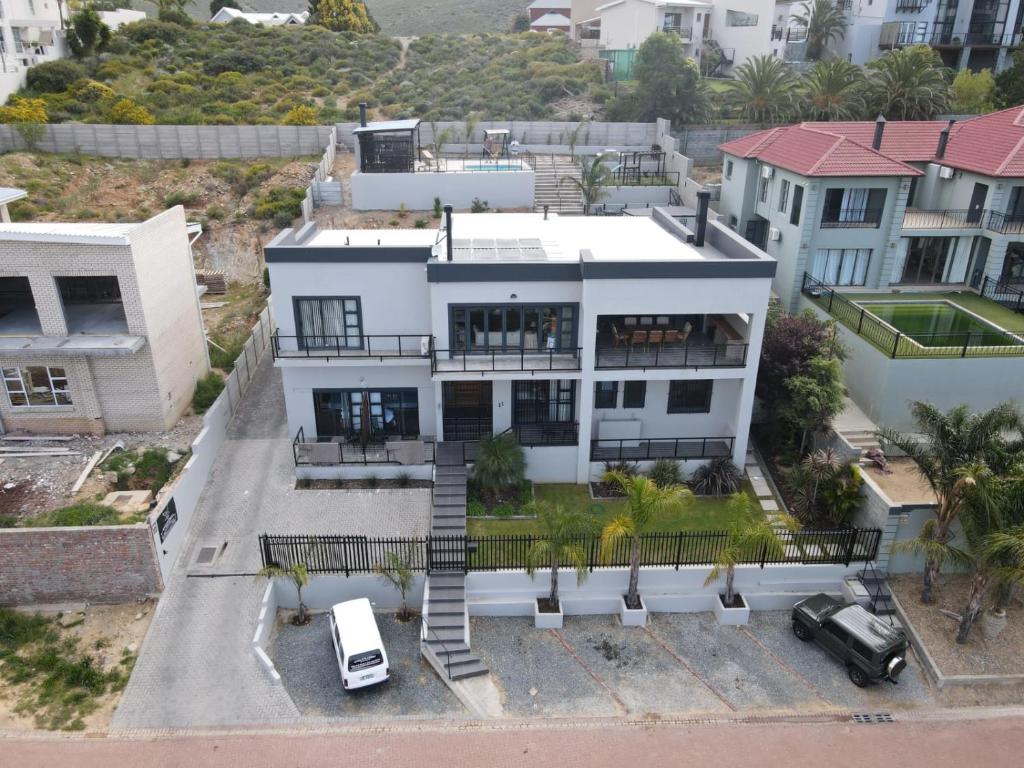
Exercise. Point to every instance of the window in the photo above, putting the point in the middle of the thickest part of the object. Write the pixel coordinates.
(515, 327)
(841, 266)
(543, 402)
(740, 19)
(836, 631)
(859, 207)
(36, 386)
(762, 190)
(328, 321)
(690, 396)
(728, 169)
(391, 413)
(798, 204)
(634, 394)
(783, 196)
(606, 394)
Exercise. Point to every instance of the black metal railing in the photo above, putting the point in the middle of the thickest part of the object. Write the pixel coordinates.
(376, 346)
(359, 554)
(626, 355)
(461, 428)
(634, 177)
(333, 451)
(651, 449)
(1009, 295)
(911, 6)
(965, 218)
(1006, 223)
(460, 361)
(440, 648)
(547, 434)
(997, 342)
(686, 33)
(851, 218)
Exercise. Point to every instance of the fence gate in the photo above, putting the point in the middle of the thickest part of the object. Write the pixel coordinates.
(446, 554)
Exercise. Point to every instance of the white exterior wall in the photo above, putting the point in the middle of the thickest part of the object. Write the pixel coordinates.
(627, 25)
(416, 191)
(753, 40)
(27, 16)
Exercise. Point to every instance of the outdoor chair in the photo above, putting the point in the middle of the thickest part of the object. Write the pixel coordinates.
(655, 337)
(638, 337)
(672, 336)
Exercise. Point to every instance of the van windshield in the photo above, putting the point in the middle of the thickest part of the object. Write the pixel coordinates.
(364, 660)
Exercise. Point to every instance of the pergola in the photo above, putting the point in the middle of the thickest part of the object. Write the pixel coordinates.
(390, 146)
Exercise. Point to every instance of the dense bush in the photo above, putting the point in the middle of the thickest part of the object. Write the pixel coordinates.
(664, 473)
(280, 204)
(54, 76)
(83, 513)
(719, 477)
(208, 389)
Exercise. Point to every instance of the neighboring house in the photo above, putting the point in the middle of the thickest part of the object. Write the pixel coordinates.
(742, 29)
(882, 204)
(30, 33)
(625, 24)
(586, 21)
(100, 326)
(120, 17)
(551, 22)
(590, 338)
(539, 8)
(273, 19)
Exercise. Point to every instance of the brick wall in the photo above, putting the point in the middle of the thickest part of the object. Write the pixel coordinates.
(102, 564)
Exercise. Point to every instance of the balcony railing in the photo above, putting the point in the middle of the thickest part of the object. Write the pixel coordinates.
(729, 355)
(1009, 295)
(373, 346)
(337, 451)
(1005, 223)
(966, 218)
(911, 6)
(552, 434)
(505, 360)
(652, 449)
(686, 33)
(852, 218)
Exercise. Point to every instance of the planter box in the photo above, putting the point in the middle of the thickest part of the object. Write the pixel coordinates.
(731, 616)
(547, 620)
(632, 617)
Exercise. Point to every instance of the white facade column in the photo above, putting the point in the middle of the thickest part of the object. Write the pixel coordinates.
(501, 405)
(898, 262)
(585, 409)
(745, 406)
(438, 409)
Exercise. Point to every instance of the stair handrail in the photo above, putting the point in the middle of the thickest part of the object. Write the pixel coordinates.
(879, 595)
(425, 628)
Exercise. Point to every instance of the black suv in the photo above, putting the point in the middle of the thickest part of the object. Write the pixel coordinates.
(871, 649)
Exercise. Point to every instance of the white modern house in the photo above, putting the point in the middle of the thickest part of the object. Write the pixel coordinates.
(31, 32)
(271, 19)
(593, 339)
(118, 18)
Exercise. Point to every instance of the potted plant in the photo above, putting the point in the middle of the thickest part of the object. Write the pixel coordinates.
(749, 536)
(560, 542)
(644, 500)
(299, 576)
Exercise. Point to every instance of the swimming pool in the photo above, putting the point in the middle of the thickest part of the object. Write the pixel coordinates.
(939, 324)
(506, 165)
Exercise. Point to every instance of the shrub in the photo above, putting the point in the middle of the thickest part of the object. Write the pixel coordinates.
(207, 390)
(281, 204)
(664, 473)
(420, 224)
(215, 212)
(627, 468)
(266, 278)
(301, 115)
(403, 479)
(719, 477)
(127, 112)
(438, 208)
(500, 463)
(371, 481)
(478, 206)
(54, 76)
(503, 510)
(83, 513)
(476, 508)
(180, 198)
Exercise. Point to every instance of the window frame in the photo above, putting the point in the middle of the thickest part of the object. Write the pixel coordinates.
(728, 169)
(301, 334)
(783, 195)
(796, 209)
(26, 390)
(612, 387)
(674, 396)
(627, 401)
(844, 259)
(762, 191)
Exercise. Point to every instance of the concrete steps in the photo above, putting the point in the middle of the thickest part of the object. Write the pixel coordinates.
(549, 189)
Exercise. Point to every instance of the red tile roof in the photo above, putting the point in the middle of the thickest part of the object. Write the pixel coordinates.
(990, 144)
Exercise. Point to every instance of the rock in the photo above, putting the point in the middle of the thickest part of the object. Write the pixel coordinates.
(110, 478)
(173, 456)
(129, 470)
(140, 615)
(71, 618)
(131, 648)
(10, 486)
(533, 691)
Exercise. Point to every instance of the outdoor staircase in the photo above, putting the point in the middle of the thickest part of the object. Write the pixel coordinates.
(445, 638)
(550, 191)
(877, 585)
(861, 439)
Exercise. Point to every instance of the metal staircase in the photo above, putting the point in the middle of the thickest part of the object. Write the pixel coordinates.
(877, 585)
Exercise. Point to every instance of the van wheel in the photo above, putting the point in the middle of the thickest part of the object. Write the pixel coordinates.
(802, 632)
(857, 676)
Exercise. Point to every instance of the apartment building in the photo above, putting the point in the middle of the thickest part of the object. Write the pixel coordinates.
(31, 32)
(875, 205)
(593, 339)
(100, 326)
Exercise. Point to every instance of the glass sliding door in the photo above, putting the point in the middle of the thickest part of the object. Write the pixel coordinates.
(513, 328)
(367, 415)
(927, 260)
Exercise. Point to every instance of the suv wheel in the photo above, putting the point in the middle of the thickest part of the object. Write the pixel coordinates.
(802, 631)
(857, 676)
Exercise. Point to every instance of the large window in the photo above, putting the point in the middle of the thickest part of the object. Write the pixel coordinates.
(928, 260)
(859, 207)
(783, 195)
(367, 414)
(798, 204)
(762, 192)
(634, 394)
(36, 386)
(690, 396)
(740, 19)
(328, 321)
(513, 327)
(606, 394)
(841, 266)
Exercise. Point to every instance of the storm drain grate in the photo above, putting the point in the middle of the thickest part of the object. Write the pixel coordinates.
(871, 718)
(206, 555)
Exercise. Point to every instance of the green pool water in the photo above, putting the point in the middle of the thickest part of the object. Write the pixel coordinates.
(938, 324)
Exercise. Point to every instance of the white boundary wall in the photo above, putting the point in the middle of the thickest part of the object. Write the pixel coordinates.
(388, 191)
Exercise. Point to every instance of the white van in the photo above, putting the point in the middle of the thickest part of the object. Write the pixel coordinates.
(357, 645)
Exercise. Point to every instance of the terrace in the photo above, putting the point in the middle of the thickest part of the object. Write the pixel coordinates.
(670, 341)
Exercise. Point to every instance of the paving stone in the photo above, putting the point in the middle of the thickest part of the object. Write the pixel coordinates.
(769, 505)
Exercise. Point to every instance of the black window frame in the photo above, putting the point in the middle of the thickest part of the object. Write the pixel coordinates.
(679, 389)
(784, 187)
(566, 334)
(728, 169)
(631, 401)
(301, 334)
(534, 400)
(406, 416)
(601, 403)
(798, 203)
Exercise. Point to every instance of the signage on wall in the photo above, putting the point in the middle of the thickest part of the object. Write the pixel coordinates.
(165, 520)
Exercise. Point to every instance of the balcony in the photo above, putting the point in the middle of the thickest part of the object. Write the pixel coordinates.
(376, 347)
(685, 33)
(669, 341)
(652, 449)
(852, 218)
(337, 451)
(695, 355)
(500, 360)
(965, 218)
(1006, 223)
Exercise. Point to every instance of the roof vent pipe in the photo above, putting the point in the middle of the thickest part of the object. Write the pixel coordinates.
(448, 229)
(545, 213)
(940, 151)
(876, 142)
(703, 199)
(362, 114)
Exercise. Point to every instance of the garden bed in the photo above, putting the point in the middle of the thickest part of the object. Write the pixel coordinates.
(506, 503)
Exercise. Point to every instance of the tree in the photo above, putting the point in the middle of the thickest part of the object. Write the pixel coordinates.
(749, 536)
(521, 23)
(595, 178)
(500, 463)
(644, 500)
(298, 574)
(343, 16)
(397, 571)
(216, 5)
(952, 451)
(972, 93)
(302, 114)
(559, 542)
(908, 84)
(824, 490)
(815, 397)
(825, 24)
(1010, 83)
(668, 85)
(87, 34)
(833, 90)
(763, 90)
(28, 117)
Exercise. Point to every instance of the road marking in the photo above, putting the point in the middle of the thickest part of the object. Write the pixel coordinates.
(786, 666)
(672, 652)
(597, 678)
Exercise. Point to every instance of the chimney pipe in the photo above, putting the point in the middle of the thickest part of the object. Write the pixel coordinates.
(703, 199)
(448, 229)
(876, 142)
(940, 151)
(362, 114)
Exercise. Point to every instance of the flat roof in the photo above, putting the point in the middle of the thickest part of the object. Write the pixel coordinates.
(96, 233)
(386, 126)
(363, 238)
(10, 194)
(97, 345)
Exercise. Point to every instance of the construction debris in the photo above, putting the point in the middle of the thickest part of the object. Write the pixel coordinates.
(214, 280)
(36, 438)
(33, 454)
(85, 472)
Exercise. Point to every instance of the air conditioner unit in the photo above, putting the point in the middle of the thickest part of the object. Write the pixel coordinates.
(774, 234)
(767, 172)
(945, 173)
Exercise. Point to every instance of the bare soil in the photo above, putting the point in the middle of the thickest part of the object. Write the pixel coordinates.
(903, 484)
(978, 656)
(707, 174)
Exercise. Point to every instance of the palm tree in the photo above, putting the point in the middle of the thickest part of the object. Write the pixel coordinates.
(750, 536)
(908, 84)
(560, 542)
(397, 571)
(298, 574)
(833, 90)
(825, 24)
(998, 560)
(952, 452)
(595, 178)
(763, 90)
(644, 500)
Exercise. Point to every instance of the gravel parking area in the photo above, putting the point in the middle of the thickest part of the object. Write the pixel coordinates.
(305, 659)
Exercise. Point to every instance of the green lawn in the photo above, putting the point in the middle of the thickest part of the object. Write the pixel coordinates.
(701, 514)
